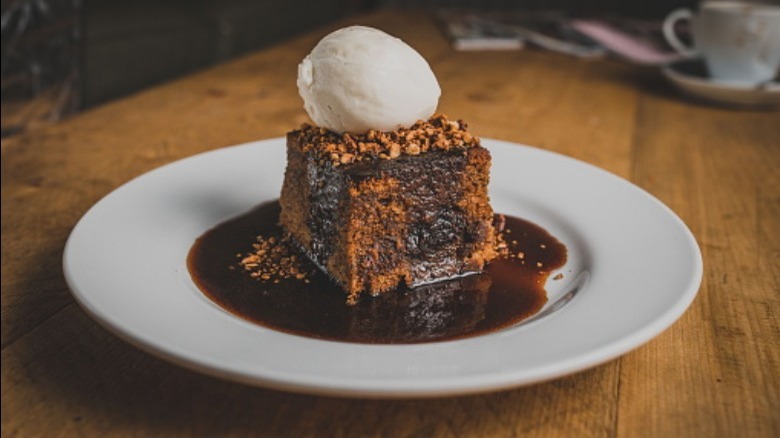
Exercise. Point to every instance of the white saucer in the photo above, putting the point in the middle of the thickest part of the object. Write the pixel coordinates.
(691, 77)
(632, 270)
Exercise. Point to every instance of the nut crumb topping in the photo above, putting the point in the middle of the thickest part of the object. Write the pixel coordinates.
(436, 133)
(273, 259)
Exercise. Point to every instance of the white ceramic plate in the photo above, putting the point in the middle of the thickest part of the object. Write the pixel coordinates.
(691, 77)
(633, 269)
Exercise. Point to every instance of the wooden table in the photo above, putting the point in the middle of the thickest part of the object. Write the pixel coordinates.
(715, 372)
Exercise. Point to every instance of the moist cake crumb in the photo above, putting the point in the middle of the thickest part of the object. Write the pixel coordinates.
(386, 209)
(273, 259)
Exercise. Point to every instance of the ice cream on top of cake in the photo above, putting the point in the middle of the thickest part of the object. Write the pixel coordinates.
(359, 78)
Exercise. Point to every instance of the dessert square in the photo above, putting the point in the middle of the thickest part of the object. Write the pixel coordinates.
(386, 209)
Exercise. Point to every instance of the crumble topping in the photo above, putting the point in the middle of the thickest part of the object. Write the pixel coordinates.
(274, 259)
(436, 133)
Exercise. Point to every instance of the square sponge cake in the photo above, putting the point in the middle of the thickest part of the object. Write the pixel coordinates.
(386, 209)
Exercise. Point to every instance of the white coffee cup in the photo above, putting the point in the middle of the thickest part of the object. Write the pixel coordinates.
(738, 41)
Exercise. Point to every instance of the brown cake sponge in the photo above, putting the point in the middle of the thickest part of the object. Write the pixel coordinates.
(384, 209)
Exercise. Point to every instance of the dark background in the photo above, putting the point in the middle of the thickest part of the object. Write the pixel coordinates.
(84, 53)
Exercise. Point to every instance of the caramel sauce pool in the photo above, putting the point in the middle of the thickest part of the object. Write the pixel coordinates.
(509, 291)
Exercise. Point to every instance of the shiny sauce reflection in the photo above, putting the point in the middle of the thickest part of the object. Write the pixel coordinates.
(509, 291)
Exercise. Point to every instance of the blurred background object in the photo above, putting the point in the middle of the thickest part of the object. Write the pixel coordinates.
(41, 61)
(62, 56)
(131, 44)
(634, 9)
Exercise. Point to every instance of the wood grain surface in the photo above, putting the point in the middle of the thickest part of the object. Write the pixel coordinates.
(714, 373)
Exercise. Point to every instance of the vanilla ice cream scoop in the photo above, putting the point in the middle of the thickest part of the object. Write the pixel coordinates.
(359, 78)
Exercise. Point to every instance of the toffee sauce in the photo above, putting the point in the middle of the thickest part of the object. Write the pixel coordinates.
(510, 290)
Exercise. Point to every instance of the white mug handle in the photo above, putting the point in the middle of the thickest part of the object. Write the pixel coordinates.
(671, 35)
